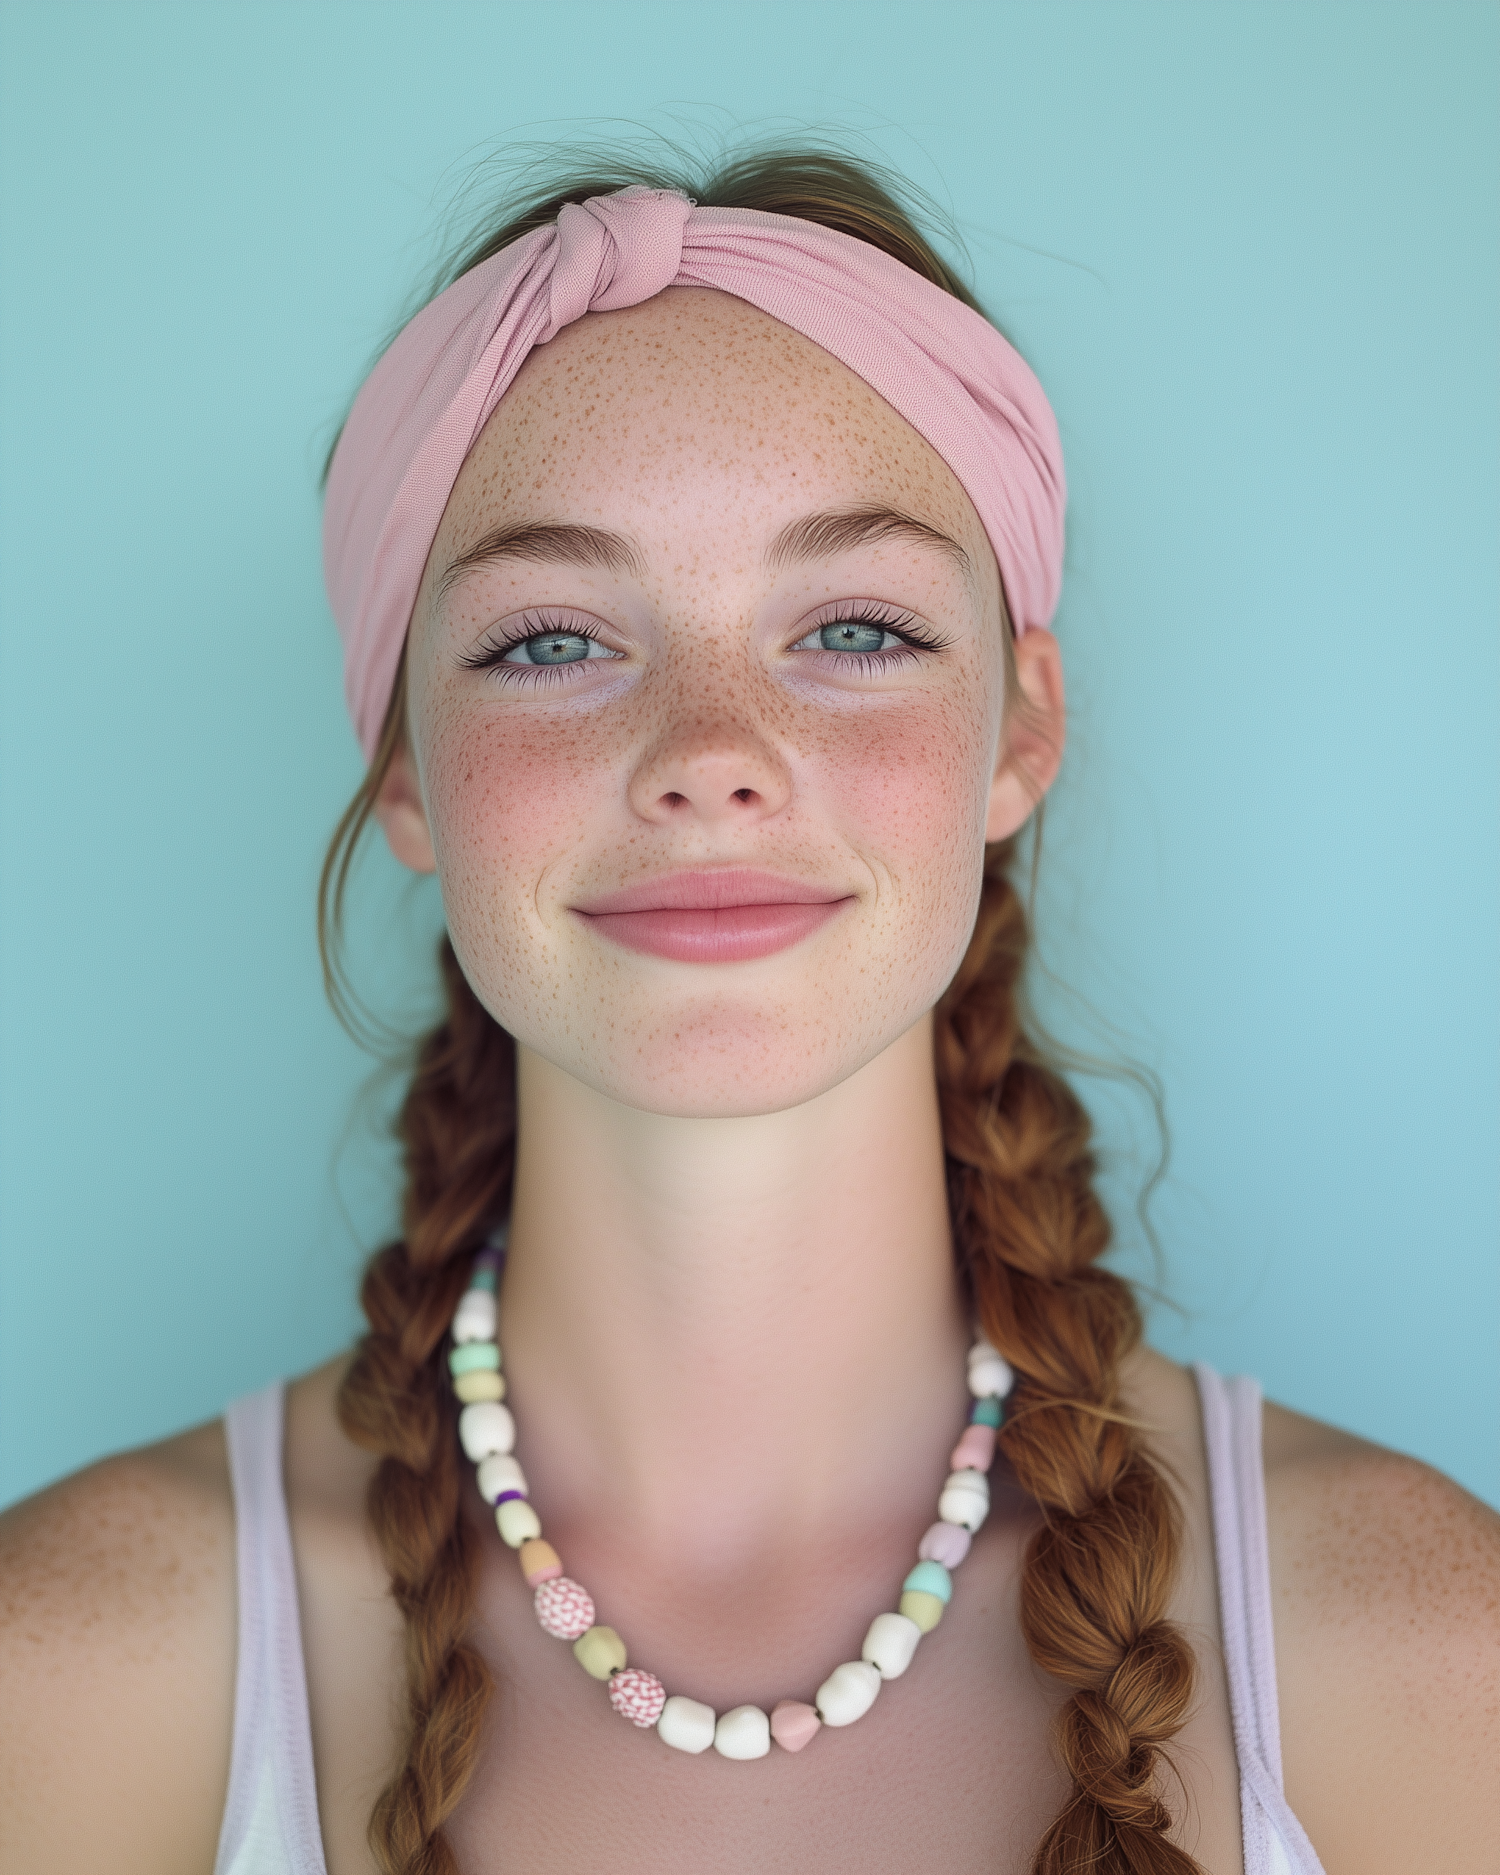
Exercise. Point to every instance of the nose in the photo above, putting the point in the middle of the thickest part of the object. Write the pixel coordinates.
(717, 774)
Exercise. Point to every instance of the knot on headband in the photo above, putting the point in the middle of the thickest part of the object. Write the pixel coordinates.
(614, 251)
(941, 366)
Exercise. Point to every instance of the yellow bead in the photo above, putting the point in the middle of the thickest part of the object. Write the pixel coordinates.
(600, 1652)
(539, 1562)
(926, 1610)
(517, 1522)
(479, 1385)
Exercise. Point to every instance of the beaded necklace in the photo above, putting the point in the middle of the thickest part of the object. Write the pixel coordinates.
(565, 1609)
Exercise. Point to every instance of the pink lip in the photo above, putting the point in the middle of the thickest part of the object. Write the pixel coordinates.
(728, 915)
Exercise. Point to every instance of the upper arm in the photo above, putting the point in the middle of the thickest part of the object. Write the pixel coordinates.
(117, 1661)
(1386, 1599)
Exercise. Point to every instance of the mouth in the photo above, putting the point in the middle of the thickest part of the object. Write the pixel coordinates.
(729, 915)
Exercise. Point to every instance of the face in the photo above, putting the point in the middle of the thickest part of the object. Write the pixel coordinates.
(707, 684)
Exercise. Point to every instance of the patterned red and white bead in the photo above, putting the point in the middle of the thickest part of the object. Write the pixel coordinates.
(487, 1431)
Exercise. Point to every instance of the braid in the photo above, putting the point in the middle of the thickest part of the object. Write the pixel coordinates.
(1098, 1575)
(458, 1128)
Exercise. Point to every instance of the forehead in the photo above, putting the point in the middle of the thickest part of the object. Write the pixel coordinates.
(653, 416)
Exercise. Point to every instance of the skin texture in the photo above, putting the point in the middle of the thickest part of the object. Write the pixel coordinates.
(733, 1340)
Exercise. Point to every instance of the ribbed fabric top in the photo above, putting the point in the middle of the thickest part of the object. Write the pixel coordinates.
(271, 1813)
(1275, 1842)
(270, 1822)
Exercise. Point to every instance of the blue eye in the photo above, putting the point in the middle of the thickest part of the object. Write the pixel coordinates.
(869, 644)
(849, 636)
(875, 642)
(553, 648)
(537, 647)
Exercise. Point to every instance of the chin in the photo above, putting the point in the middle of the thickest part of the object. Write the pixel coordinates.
(695, 1094)
(724, 1068)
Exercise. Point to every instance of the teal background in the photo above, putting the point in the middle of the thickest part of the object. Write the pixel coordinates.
(1251, 250)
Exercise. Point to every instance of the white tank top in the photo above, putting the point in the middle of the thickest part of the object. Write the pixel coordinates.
(270, 1822)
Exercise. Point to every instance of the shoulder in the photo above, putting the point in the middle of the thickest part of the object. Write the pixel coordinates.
(1385, 1579)
(117, 1654)
(1371, 1540)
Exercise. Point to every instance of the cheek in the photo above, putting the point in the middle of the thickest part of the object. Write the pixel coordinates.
(914, 789)
(506, 798)
(909, 792)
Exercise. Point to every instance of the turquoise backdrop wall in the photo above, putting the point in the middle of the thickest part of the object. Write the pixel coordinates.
(1250, 249)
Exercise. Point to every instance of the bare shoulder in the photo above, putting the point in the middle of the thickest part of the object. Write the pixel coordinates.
(117, 1654)
(1385, 1580)
(1365, 1536)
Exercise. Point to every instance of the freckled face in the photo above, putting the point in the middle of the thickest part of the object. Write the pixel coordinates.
(710, 691)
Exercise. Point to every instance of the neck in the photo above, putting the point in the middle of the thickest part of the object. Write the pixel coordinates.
(710, 1325)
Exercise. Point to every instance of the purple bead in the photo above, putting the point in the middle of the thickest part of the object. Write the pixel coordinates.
(506, 1496)
(944, 1543)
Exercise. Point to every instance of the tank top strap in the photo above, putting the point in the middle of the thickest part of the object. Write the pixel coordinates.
(1275, 1842)
(270, 1824)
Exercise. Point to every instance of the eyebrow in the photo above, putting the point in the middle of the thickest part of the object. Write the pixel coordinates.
(839, 530)
(547, 543)
(814, 537)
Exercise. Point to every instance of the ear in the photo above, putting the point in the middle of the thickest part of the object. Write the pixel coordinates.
(399, 809)
(1031, 747)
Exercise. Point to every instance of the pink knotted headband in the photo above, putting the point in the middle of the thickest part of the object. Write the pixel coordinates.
(420, 411)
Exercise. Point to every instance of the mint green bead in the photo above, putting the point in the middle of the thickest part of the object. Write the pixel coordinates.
(472, 1355)
(930, 1578)
(483, 1279)
(987, 1413)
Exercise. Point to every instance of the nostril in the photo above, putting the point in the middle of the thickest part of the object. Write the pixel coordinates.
(707, 798)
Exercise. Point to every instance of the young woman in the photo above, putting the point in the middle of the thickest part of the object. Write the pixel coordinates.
(694, 565)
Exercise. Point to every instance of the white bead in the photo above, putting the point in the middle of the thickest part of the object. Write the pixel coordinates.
(965, 1500)
(475, 1317)
(848, 1693)
(972, 1479)
(890, 1644)
(743, 1733)
(517, 1522)
(486, 1427)
(499, 1472)
(685, 1724)
(990, 1377)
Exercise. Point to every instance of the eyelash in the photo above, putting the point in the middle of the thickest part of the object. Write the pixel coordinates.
(490, 654)
(917, 642)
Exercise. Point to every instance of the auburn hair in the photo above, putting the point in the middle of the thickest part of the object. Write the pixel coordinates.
(1028, 1227)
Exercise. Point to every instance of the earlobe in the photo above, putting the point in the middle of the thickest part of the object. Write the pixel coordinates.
(1031, 748)
(402, 816)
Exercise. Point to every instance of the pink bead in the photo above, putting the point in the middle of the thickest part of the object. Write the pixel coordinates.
(975, 1451)
(637, 1695)
(564, 1608)
(946, 1543)
(793, 1724)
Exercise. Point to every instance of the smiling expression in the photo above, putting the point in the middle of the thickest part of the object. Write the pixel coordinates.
(706, 682)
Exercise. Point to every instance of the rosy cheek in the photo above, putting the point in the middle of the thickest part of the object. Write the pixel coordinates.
(507, 797)
(915, 783)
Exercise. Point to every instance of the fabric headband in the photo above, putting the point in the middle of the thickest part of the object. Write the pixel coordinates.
(945, 369)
